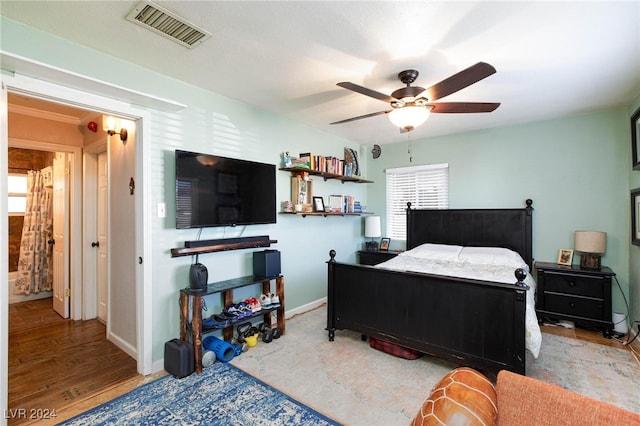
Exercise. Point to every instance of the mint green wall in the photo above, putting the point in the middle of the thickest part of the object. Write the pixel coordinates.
(575, 169)
(217, 125)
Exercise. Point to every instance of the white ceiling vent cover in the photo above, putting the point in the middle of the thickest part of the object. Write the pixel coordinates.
(161, 21)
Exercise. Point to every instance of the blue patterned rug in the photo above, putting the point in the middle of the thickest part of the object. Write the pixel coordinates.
(221, 395)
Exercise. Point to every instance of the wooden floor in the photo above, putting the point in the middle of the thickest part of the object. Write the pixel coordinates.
(584, 335)
(55, 362)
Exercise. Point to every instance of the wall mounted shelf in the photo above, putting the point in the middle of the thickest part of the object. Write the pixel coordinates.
(190, 251)
(325, 214)
(326, 176)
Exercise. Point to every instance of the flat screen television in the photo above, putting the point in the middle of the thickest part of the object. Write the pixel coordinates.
(220, 191)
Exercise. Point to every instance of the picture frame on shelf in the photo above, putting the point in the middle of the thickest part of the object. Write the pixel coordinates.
(565, 257)
(635, 140)
(318, 204)
(335, 203)
(384, 244)
(635, 217)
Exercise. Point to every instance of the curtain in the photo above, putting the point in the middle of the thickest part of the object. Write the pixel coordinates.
(35, 265)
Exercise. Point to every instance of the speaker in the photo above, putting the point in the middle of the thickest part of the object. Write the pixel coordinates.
(178, 358)
(266, 263)
(198, 277)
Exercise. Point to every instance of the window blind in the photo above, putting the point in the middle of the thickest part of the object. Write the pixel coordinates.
(426, 187)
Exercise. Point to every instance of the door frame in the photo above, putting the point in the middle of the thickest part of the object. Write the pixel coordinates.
(85, 97)
(73, 235)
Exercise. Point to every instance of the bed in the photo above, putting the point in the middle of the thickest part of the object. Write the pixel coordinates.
(480, 323)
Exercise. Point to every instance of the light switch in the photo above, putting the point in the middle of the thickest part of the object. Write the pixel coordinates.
(162, 210)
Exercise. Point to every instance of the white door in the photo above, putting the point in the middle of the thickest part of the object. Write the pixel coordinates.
(102, 249)
(60, 229)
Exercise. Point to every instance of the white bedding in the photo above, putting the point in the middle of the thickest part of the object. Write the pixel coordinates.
(479, 263)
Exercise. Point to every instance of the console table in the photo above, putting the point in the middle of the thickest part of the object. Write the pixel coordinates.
(193, 329)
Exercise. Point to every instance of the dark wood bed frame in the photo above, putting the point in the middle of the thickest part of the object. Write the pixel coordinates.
(479, 324)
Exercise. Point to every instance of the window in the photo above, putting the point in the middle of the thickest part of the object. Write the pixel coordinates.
(426, 187)
(17, 189)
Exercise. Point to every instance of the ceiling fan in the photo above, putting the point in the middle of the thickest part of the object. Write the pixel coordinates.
(411, 105)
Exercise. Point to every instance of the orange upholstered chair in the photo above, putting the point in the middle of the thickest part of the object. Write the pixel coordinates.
(525, 401)
(466, 397)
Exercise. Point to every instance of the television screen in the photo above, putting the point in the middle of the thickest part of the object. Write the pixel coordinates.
(219, 191)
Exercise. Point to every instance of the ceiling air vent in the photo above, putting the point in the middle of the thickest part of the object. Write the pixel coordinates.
(161, 21)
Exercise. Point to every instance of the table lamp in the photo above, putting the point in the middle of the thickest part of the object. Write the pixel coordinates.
(591, 245)
(372, 230)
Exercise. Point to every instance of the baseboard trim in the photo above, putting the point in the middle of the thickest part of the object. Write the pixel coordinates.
(305, 308)
(122, 344)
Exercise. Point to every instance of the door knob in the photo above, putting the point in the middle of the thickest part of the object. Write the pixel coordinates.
(51, 242)
(95, 244)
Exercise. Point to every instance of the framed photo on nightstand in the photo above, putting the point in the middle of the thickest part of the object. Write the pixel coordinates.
(384, 244)
(565, 257)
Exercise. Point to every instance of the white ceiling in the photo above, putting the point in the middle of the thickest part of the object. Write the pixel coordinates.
(552, 58)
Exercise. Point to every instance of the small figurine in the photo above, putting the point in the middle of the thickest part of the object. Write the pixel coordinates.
(287, 159)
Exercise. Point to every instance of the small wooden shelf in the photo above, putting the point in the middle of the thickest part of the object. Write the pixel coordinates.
(190, 304)
(325, 214)
(189, 251)
(261, 313)
(326, 176)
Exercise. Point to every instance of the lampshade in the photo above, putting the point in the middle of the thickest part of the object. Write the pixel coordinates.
(410, 116)
(372, 227)
(590, 241)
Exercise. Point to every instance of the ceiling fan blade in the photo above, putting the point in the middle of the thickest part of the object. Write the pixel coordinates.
(367, 92)
(459, 81)
(463, 107)
(373, 114)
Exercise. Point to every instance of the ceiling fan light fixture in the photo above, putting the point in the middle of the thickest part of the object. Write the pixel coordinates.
(409, 117)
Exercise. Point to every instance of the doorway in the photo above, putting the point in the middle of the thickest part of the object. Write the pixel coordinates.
(49, 226)
(92, 95)
(64, 159)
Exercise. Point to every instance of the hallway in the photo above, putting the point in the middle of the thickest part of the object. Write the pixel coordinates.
(54, 362)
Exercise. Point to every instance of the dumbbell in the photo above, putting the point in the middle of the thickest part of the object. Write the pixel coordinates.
(268, 334)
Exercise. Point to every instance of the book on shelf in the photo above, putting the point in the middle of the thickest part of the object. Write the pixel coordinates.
(343, 204)
(323, 164)
(299, 162)
(307, 159)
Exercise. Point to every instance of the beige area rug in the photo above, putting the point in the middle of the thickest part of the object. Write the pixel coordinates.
(357, 385)
(605, 373)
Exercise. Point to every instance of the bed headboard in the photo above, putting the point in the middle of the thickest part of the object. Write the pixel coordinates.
(509, 228)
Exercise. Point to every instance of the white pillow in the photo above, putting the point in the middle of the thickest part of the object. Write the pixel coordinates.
(492, 256)
(430, 251)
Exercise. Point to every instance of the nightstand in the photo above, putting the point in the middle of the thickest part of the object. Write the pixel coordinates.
(375, 257)
(574, 294)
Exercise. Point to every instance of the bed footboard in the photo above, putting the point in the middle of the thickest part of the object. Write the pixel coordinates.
(475, 323)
